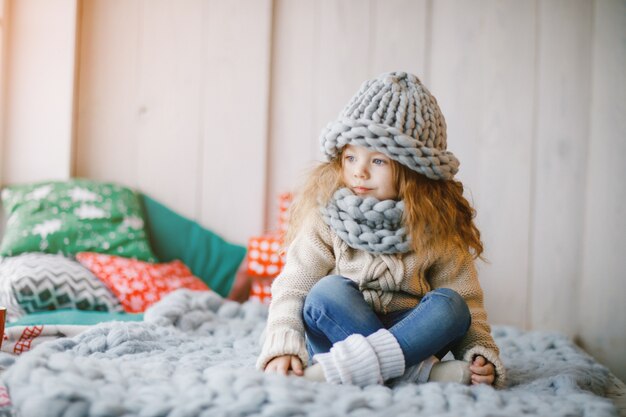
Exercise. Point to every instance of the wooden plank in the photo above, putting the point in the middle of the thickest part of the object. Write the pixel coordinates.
(342, 58)
(562, 114)
(601, 306)
(235, 115)
(169, 98)
(292, 129)
(399, 36)
(482, 73)
(108, 111)
(39, 87)
(3, 60)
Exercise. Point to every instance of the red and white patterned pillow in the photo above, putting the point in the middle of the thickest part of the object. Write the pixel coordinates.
(139, 284)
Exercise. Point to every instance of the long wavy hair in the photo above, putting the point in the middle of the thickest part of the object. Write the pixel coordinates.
(436, 214)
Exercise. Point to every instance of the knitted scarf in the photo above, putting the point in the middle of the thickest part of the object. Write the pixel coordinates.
(367, 223)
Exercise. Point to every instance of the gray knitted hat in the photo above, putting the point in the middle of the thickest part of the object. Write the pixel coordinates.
(396, 115)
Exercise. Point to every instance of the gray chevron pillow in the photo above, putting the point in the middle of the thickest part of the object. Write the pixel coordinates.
(34, 282)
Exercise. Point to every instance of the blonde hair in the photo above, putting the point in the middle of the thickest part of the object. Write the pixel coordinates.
(435, 212)
(322, 181)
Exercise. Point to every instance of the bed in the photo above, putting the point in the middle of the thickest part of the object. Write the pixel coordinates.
(192, 353)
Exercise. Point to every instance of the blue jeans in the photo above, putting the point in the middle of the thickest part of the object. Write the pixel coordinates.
(335, 308)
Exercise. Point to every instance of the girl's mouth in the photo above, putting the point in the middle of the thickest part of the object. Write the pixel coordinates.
(361, 190)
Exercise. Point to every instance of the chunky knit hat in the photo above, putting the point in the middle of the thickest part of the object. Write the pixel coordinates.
(396, 115)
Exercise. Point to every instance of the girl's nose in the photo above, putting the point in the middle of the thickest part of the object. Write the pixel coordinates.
(360, 171)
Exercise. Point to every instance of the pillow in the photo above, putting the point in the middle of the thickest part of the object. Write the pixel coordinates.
(34, 282)
(74, 216)
(7, 296)
(209, 257)
(138, 284)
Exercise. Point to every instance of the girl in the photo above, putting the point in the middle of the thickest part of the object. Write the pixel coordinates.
(379, 281)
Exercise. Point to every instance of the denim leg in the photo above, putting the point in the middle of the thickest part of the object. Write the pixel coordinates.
(441, 318)
(333, 310)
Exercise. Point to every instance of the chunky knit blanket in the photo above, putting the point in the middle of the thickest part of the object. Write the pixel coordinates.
(194, 356)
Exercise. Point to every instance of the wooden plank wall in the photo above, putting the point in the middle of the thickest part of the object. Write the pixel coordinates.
(601, 303)
(189, 126)
(4, 28)
(41, 50)
(561, 129)
(214, 107)
(484, 85)
(3, 60)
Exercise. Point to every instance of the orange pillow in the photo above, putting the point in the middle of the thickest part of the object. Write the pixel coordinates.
(139, 284)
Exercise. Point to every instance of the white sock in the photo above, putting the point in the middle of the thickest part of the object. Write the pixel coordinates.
(390, 356)
(351, 361)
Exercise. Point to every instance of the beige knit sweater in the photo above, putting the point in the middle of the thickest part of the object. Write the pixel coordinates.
(388, 283)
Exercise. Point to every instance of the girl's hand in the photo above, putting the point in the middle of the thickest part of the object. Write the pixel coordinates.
(483, 371)
(283, 364)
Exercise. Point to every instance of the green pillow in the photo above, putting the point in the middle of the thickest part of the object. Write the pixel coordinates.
(209, 257)
(73, 317)
(74, 216)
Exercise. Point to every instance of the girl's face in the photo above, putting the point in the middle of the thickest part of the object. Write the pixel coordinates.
(368, 173)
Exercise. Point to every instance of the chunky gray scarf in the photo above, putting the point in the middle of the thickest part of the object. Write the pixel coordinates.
(367, 223)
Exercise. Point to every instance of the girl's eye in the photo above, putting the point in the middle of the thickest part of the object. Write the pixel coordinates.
(379, 161)
(349, 158)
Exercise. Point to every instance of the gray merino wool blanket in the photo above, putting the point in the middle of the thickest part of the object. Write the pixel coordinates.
(194, 356)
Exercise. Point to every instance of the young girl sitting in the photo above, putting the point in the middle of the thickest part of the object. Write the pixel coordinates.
(380, 281)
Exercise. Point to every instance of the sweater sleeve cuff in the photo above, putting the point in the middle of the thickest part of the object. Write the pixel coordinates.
(492, 357)
(282, 342)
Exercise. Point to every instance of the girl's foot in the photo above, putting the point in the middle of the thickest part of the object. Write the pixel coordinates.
(432, 370)
(450, 371)
(315, 373)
